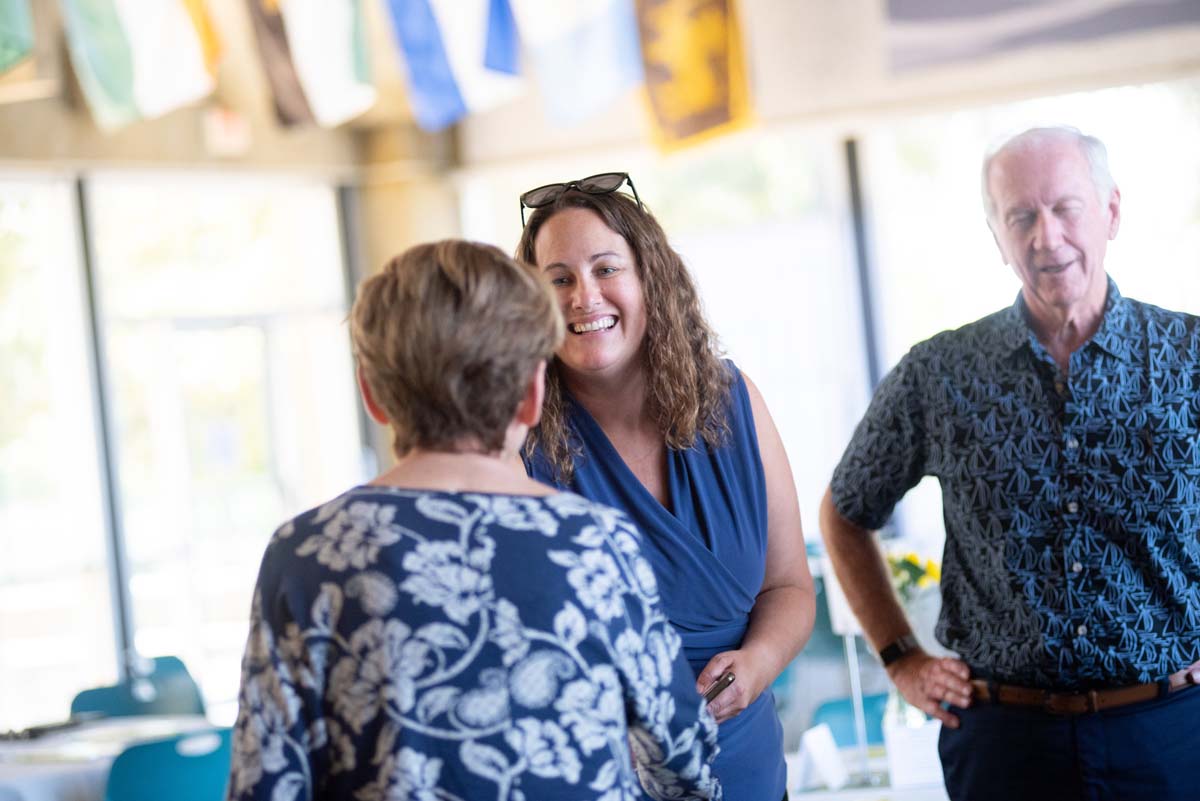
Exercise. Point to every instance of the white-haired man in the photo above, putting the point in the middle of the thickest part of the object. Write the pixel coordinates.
(1065, 432)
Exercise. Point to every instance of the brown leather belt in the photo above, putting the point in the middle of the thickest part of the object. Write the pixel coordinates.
(1057, 703)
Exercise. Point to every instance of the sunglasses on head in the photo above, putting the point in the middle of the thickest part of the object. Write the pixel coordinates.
(600, 184)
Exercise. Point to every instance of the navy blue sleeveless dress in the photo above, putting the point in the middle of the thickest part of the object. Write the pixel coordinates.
(709, 555)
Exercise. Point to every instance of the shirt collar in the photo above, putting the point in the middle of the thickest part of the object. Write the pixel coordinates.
(1116, 327)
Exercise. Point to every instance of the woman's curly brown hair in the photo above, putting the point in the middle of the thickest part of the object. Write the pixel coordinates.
(688, 385)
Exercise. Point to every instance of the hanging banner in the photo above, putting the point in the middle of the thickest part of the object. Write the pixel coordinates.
(102, 60)
(169, 70)
(210, 43)
(291, 105)
(695, 69)
(329, 53)
(134, 59)
(923, 33)
(445, 46)
(469, 33)
(584, 54)
(502, 52)
(16, 32)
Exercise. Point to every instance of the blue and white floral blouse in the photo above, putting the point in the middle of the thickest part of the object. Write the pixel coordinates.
(437, 646)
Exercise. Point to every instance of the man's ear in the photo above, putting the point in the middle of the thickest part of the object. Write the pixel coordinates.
(1003, 256)
(529, 411)
(373, 408)
(1114, 212)
(990, 210)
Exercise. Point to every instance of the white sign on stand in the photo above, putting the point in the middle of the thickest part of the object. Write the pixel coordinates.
(817, 763)
(912, 753)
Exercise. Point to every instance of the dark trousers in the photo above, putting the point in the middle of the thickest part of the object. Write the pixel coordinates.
(1141, 752)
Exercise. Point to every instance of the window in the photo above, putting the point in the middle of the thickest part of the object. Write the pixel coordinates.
(56, 622)
(763, 225)
(222, 306)
(230, 406)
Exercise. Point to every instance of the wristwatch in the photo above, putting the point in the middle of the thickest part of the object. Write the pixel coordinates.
(897, 648)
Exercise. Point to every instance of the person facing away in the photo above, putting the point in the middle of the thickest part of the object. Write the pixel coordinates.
(1064, 431)
(642, 415)
(453, 630)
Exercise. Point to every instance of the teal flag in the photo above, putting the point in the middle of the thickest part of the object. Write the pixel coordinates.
(102, 59)
(16, 32)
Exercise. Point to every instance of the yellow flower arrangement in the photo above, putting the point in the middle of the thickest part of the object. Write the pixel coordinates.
(910, 574)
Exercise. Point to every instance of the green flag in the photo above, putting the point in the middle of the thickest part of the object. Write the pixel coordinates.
(16, 32)
(102, 59)
(135, 60)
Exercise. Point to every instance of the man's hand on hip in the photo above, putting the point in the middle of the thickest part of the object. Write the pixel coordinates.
(926, 681)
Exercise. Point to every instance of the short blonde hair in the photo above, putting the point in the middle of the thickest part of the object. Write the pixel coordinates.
(447, 337)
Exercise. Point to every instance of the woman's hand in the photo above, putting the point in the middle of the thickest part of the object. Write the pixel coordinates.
(747, 685)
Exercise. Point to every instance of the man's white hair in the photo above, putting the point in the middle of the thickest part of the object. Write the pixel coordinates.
(1093, 150)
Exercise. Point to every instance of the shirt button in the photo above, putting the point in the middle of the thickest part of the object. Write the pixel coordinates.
(1072, 443)
(1082, 630)
(1060, 388)
(1072, 507)
(1077, 567)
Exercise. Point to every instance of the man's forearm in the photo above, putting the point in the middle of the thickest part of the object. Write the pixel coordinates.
(864, 577)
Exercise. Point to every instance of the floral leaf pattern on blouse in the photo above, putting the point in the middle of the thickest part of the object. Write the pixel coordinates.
(440, 646)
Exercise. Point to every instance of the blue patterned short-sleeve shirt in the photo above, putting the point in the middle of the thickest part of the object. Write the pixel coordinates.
(1071, 502)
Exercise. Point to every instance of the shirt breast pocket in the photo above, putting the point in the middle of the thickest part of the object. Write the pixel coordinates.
(1160, 467)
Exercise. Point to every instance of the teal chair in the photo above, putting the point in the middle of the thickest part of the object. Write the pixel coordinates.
(187, 767)
(839, 714)
(163, 687)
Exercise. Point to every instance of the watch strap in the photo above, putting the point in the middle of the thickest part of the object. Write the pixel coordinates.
(897, 648)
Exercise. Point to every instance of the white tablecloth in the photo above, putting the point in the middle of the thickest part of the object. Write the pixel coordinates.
(73, 765)
(51, 781)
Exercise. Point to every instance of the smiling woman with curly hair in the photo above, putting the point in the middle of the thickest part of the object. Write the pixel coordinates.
(688, 390)
(642, 414)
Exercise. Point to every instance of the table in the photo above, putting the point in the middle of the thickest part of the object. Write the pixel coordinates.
(73, 765)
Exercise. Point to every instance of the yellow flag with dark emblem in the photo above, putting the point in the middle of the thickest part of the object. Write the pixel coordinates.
(695, 69)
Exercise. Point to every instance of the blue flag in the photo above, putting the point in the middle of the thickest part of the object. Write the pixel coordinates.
(446, 46)
(435, 97)
(585, 53)
(503, 46)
